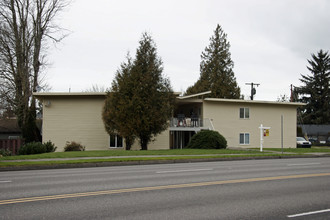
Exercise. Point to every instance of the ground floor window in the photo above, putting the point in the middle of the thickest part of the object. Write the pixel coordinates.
(244, 138)
(116, 141)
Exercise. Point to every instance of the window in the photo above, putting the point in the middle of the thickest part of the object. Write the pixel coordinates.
(116, 141)
(244, 138)
(244, 113)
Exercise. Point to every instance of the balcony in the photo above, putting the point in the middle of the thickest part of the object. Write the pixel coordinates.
(190, 124)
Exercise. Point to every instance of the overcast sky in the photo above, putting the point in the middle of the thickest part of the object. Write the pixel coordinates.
(270, 40)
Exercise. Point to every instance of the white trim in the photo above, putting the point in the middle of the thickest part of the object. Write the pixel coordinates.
(308, 213)
(42, 94)
(194, 95)
(254, 102)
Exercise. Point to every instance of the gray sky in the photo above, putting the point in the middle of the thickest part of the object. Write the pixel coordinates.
(270, 40)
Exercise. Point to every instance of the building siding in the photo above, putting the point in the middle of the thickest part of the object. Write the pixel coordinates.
(79, 119)
(226, 120)
(75, 119)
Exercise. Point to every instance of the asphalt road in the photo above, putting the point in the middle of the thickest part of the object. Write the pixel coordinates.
(251, 189)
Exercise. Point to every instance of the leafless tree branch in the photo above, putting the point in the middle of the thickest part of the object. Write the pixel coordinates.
(25, 28)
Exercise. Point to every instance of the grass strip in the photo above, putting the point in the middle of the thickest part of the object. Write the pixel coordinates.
(80, 161)
(301, 150)
(106, 153)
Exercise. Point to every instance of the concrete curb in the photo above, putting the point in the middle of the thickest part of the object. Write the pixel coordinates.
(148, 162)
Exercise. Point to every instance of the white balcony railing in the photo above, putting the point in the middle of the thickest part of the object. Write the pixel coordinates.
(204, 123)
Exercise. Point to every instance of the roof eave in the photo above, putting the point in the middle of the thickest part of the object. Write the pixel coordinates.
(297, 104)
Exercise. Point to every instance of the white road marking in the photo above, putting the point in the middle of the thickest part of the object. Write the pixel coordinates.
(303, 164)
(308, 213)
(179, 171)
(5, 181)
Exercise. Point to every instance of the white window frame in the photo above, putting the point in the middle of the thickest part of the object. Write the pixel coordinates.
(244, 138)
(246, 113)
(116, 141)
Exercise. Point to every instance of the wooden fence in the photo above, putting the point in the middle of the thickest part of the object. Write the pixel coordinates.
(11, 144)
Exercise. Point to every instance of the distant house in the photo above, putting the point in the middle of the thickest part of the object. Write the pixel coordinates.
(9, 129)
(78, 117)
(316, 133)
(10, 135)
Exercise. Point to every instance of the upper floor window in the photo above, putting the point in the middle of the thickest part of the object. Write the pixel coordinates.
(244, 113)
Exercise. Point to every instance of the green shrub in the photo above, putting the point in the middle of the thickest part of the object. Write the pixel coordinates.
(5, 153)
(32, 148)
(50, 146)
(207, 140)
(73, 146)
(37, 148)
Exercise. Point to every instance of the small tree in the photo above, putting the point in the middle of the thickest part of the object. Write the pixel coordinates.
(216, 69)
(141, 100)
(316, 90)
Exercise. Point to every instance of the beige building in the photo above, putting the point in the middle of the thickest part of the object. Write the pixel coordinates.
(78, 117)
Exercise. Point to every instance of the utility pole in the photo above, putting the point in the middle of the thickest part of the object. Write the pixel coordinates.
(253, 90)
(291, 89)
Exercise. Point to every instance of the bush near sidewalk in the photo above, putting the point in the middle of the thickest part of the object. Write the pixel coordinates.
(73, 146)
(207, 140)
(37, 148)
(5, 153)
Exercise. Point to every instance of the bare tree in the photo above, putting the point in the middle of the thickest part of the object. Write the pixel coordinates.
(96, 88)
(283, 98)
(26, 26)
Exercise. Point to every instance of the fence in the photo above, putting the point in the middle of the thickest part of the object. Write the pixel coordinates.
(11, 144)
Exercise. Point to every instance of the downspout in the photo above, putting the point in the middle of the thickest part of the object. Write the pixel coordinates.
(211, 124)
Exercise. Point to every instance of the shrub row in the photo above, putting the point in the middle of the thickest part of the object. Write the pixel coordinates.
(5, 153)
(37, 148)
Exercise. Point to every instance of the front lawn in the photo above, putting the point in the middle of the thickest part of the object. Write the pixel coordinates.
(105, 160)
(109, 153)
(302, 150)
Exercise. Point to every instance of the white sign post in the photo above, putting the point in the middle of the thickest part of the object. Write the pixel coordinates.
(262, 128)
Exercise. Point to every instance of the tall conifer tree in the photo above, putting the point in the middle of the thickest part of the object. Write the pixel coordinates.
(117, 112)
(144, 96)
(316, 90)
(216, 69)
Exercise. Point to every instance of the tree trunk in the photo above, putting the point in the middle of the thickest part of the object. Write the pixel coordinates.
(144, 143)
(129, 142)
(29, 128)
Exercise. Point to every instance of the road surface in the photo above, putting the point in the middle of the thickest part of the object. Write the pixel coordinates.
(250, 189)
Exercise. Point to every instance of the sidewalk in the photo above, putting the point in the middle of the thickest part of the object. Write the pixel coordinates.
(189, 159)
